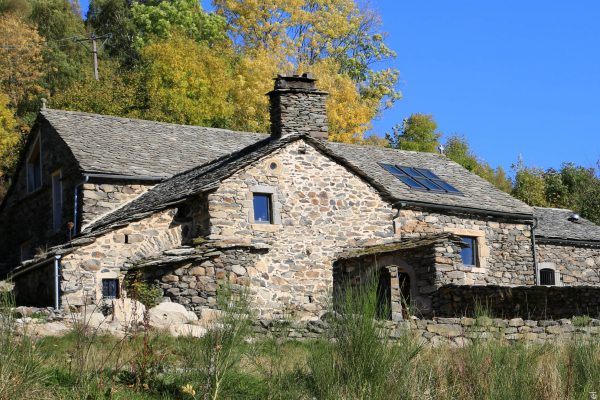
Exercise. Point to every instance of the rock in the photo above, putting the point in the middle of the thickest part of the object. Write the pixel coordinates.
(515, 322)
(50, 329)
(23, 311)
(209, 315)
(182, 251)
(128, 311)
(447, 330)
(167, 314)
(187, 330)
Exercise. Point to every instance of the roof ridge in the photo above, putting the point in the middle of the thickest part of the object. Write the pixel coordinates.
(116, 117)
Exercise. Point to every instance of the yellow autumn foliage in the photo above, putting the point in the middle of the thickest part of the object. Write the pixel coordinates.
(20, 59)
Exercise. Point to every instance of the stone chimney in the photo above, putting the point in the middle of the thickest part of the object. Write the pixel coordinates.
(296, 106)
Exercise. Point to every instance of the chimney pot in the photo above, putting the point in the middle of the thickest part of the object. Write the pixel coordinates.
(298, 107)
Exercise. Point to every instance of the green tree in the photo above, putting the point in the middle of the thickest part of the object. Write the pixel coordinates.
(529, 185)
(417, 133)
(114, 17)
(457, 149)
(157, 19)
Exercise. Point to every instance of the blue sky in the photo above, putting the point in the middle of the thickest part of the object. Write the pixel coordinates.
(513, 77)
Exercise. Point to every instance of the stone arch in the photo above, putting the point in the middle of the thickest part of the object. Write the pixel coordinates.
(544, 271)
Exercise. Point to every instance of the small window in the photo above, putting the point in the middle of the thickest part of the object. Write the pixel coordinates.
(263, 212)
(547, 277)
(34, 168)
(26, 250)
(57, 201)
(469, 253)
(110, 288)
(420, 178)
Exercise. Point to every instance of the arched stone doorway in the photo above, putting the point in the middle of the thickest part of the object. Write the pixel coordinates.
(404, 289)
(384, 294)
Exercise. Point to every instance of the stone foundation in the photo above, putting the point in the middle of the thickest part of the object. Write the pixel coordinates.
(455, 332)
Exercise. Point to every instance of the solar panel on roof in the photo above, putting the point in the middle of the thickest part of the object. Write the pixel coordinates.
(420, 178)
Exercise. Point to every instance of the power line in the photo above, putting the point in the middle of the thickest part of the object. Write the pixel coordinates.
(94, 50)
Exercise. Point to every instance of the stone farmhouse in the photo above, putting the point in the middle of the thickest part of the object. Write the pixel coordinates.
(289, 215)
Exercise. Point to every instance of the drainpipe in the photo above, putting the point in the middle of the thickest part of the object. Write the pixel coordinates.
(76, 207)
(57, 282)
(533, 246)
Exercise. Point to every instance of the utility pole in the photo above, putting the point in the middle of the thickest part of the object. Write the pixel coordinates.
(95, 54)
(94, 50)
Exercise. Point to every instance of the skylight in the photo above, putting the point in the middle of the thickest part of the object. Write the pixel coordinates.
(420, 178)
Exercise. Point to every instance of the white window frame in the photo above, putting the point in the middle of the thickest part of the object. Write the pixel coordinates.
(551, 266)
(29, 166)
(57, 202)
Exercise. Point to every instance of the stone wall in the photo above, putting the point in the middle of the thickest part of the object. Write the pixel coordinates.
(194, 283)
(456, 331)
(530, 302)
(321, 210)
(575, 265)
(100, 198)
(26, 218)
(83, 270)
(317, 216)
(505, 252)
(423, 266)
(36, 289)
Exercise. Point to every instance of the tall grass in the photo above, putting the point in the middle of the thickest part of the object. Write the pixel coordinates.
(22, 375)
(358, 361)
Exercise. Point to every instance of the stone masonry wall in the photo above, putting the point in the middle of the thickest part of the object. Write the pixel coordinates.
(317, 215)
(83, 270)
(457, 332)
(26, 218)
(505, 253)
(100, 198)
(321, 209)
(195, 283)
(530, 302)
(575, 265)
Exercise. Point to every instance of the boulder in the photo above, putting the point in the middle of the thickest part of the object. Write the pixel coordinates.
(49, 329)
(128, 311)
(187, 330)
(167, 314)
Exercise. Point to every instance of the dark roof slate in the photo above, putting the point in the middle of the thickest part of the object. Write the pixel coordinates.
(477, 193)
(122, 146)
(196, 180)
(553, 223)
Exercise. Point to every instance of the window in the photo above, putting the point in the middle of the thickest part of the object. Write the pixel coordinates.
(34, 167)
(547, 277)
(469, 254)
(263, 212)
(110, 288)
(26, 250)
(420, 178)
(56, 201)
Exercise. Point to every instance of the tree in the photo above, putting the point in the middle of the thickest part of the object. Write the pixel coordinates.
(188, 83)
(9, 142)
(59, 23)
(315, 36)
(157, 19)
(457, 149)
(529, 185)
(20, 62)
(114, 17)
(417, 133)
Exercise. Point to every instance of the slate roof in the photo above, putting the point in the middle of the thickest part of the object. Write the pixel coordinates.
(362, 160)
(122, 146)
(477, 193)
(196, 180)
(553, 223)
